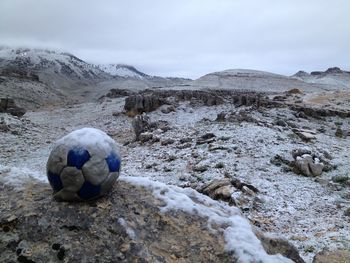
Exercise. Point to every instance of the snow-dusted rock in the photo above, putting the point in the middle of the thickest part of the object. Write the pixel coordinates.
(8, 105)
(309, 166)
(139, 220)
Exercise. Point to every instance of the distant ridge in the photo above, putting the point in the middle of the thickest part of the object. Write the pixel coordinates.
(333, 76)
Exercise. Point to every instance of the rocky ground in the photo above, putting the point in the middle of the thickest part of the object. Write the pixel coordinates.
(284, 167)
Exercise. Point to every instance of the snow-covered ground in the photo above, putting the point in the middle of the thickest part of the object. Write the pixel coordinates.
(122, 70)
(307, 211)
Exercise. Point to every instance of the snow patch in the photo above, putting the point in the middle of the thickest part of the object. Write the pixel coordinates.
(237, 230)
(18, 176)
(122, 70)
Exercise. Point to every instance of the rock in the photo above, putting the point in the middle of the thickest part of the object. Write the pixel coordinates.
(10, 123)
(294, 91)
(140, 124)
(139, 221)
(137, 104)
(159, 125)
(185, 140)
(8, 105)
(4, 127)
(168, 109)
(221, 117)
(167, 141)
(306, 135)
(308, 166)
(279, 245)
(145, 137)
(218, 189)
(200, 168)
(279, 160)
(279, 98)
(337, 256)
(300, 152)
(347, 212)
(241, 116)
(239, 185)
(281, 123)
(340, 133)
(222, 189)
(206, 138)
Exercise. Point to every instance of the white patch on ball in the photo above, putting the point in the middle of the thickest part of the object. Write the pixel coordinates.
(83, 165)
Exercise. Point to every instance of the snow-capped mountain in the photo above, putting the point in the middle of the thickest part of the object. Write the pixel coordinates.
(122, 70)
(41, 61)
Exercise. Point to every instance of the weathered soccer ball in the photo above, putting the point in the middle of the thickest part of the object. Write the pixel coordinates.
(83, 165)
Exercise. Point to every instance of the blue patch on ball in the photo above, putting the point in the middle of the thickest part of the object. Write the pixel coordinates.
(77, 157)
(55, 181)
(89, 191)
(113, 162)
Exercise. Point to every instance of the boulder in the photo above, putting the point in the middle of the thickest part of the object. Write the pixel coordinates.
(340, 133)
(305, 135)
(8, 105)
(140, 124)
(145, 137)
(274, 245)
(139, 221)
(309, 166)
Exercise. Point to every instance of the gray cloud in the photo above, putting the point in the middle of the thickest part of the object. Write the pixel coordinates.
(186, 38)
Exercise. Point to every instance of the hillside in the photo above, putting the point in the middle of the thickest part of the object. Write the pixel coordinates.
(122, 70)
(245, 79)
(332, 76)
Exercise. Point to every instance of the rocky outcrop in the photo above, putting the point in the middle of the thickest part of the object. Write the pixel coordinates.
(137, 104)
(274, 245)
(139, 221)
(333, 70)
(8, 105)
(318, 112)
(147, 101)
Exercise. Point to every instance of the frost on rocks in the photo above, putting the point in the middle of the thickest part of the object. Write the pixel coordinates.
(227, 220)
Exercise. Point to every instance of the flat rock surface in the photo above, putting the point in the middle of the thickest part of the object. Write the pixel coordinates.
(130, 224)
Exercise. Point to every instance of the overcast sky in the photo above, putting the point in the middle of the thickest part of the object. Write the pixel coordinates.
(186, 38)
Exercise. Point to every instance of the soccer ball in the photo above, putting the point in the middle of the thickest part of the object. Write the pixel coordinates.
(83, 165)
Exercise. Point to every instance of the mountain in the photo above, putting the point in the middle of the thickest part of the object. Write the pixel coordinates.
(41, 61)
(122, 70)
(334, 76)
(245, 79)
(37, 77)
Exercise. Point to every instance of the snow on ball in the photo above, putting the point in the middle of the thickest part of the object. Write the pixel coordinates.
(83, 165)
